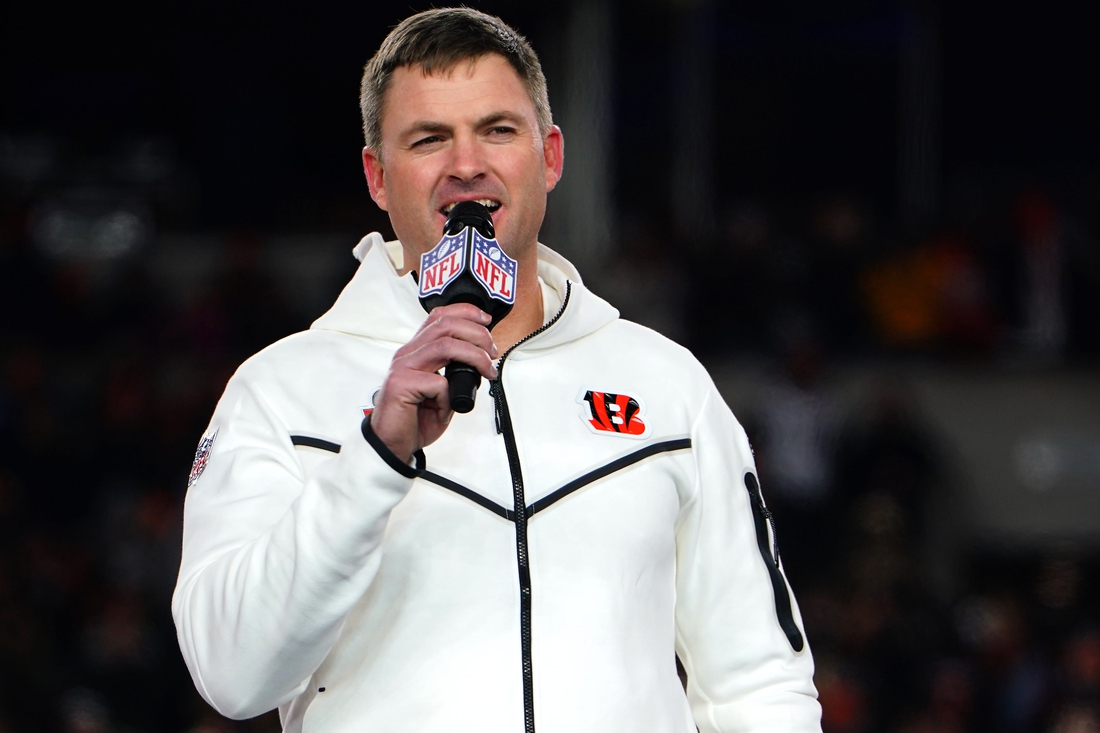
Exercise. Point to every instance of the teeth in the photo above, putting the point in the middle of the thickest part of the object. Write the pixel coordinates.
(487, 203)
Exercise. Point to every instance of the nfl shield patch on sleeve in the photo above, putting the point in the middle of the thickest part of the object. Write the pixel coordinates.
(202, 455)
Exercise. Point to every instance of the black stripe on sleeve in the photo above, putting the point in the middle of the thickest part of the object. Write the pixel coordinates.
(760, 517)
(311, 442)
(617, 465)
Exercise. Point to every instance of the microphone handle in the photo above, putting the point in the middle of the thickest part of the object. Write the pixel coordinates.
(463, 381)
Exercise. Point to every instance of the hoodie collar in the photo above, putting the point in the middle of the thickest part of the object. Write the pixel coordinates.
(379, 304)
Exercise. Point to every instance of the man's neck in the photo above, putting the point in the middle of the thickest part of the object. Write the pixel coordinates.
(527, 314)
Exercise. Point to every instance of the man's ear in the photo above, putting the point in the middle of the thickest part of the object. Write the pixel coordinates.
(376, 177)
(553, 152)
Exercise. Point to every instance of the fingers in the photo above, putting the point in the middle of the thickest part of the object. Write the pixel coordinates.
(451, 333)
(413, 410)
(436, 354)
(460, 320)
(412, 389)
(473, 333)
(468, 311)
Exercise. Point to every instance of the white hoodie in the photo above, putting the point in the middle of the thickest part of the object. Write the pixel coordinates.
(592, 517)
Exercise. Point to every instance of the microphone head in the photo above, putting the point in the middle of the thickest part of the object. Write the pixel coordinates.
(470, 214)
(468, 265)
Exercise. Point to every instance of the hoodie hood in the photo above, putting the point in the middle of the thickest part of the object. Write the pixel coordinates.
(379, 304)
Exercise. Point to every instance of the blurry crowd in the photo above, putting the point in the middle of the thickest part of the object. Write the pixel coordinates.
(863, 492)
(106, 384)
(1009, 276)
(862, 500)
(103, 390)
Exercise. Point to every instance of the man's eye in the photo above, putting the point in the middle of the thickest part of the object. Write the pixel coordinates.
(427, 140)
(502, 130)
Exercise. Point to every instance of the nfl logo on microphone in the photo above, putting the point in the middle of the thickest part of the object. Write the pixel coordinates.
(442, 264)
(486, 261)
(495, 270)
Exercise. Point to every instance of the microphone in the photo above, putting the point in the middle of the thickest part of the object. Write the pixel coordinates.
(468, 266)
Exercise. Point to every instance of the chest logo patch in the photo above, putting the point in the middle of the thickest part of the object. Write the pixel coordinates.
(202, 455)
(615, 414)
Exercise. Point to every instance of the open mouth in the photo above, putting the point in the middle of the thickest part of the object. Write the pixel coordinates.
(490, 204)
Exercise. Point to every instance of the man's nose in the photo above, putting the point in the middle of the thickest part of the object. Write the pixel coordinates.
(467, 160)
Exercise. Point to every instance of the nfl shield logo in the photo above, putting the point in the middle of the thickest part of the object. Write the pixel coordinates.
(202, 455)
(495, 270)
(442, 264)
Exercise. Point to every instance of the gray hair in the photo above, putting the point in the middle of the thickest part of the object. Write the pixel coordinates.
(438, 40)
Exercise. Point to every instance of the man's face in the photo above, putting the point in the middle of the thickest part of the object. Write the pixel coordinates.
(469, 133)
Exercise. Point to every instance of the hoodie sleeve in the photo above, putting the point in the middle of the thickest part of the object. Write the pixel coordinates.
(273, 562)
(738, 630)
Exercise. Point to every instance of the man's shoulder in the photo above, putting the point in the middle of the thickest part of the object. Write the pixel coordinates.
(632, 354)
(311, 357)
(636, 341)
(296, 348)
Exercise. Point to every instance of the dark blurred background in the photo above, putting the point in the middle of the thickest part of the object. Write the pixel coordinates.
(876, 222)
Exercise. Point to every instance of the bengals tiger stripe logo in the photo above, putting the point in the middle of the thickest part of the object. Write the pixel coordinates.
(617, 414)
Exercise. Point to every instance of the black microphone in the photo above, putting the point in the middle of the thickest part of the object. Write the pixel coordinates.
(468, 266)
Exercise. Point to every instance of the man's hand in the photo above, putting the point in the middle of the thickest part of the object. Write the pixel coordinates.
(414, 406)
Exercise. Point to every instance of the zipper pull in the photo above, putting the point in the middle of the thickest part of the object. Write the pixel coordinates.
(494, 392)
(775, 537)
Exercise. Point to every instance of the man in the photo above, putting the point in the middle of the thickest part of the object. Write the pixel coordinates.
(532, 565)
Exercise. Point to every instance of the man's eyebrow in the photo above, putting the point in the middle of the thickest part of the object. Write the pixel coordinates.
(426, 126)
(432, 126)
(494, 117)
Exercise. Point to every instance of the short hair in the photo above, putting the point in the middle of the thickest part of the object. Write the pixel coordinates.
(438, 40)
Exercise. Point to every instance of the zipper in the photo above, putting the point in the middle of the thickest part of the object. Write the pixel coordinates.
(519, 503)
